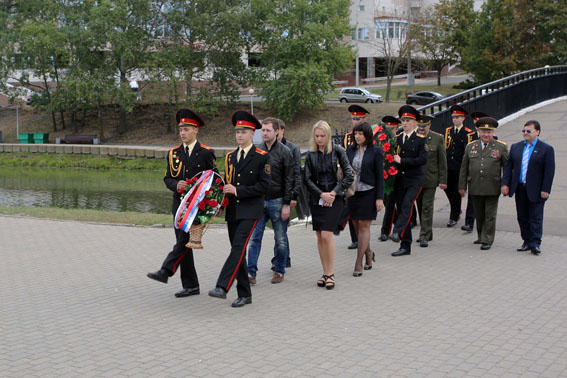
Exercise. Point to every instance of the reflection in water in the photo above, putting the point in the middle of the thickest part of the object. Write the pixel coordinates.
(85, 189)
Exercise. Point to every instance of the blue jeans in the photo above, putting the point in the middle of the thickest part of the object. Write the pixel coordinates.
(273, 212)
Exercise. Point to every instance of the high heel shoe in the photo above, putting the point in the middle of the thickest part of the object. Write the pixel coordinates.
(330, 283)
(368, 267)
(321, 281)
(356, 274)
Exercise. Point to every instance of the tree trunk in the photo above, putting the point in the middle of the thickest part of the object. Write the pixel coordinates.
(54, 120)
(439, 77)
(123, 125)
(62, 113)
(74, 125)
(99, 120)
(84, 117)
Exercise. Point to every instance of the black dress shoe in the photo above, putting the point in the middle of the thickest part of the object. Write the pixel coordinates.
(241, 301)
(536, 251)
(288, 263)
(218, 292)
(477, 241)
(451, 223)
(161, 275)
(524, 248)
(383, 237)
(353, 245)
(467, 228)
(187, 292)
(423, 244)
(401, 252)
(485, 246)
(395, 237)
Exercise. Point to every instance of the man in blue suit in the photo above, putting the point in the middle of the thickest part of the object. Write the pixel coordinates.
(529, 173)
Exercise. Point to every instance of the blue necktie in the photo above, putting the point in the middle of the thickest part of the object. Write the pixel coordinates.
(525, 161)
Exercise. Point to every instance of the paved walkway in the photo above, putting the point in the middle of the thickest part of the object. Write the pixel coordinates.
(75, 302)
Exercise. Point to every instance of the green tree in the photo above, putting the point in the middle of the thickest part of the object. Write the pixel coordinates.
(551, 26)
(300, 46)
(442, 31)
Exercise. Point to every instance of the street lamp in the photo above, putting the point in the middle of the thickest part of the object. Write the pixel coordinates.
(251, 92)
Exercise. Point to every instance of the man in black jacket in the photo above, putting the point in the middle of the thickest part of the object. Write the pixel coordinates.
(247, 178)
(296, 181)
(184, 162)
(411, 159)
(276, 204)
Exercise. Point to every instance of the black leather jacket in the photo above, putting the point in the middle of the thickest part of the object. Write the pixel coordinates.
(310, 177)
(296, 156)
(281, 164)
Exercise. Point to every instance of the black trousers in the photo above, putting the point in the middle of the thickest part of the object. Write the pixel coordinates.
(235, 266)
(469, 214)
(530, 217)
(453, 195)
(182, 257)
(405, 199)
(389, 213)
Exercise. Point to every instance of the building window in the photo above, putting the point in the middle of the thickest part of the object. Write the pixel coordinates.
(353, 34)
(363, 33)
(361, 8)
(391, 29)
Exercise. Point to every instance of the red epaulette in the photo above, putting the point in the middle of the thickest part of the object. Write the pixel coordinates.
(435, 132)
(261, 152)
(206, 147)
(173, 148)
(469, 130)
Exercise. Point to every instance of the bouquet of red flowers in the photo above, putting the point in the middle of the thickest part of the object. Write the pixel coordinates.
(385, 137)
(201, 200)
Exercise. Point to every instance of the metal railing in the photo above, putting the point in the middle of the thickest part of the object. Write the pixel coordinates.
(502, 97)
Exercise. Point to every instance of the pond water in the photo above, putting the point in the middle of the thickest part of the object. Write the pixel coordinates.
(85, 189)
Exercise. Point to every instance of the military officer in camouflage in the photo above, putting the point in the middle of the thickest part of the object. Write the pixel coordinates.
(435, 175)
(481, 174)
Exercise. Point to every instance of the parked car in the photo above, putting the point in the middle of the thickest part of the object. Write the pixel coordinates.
(423, 98)
(358, 95)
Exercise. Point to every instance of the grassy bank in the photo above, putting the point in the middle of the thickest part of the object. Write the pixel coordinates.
(96, 216)
(84, 161)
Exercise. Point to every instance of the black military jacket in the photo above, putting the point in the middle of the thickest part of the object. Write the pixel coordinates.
(455, 144)
(183, 167)
(251, 178)
(414, 157)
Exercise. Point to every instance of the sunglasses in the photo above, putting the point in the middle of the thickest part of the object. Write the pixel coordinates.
(528, 131)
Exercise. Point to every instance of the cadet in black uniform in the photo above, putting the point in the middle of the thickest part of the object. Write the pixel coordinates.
(390, 199)
(247, 178)
(456, 139)
(411, 159)
(184, 162)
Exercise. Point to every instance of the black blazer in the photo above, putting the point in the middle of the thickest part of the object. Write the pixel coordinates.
(183, 167)
(414, 157)
(372, 169)
(541, 169)
(455, 144)
(251, 178)
(310, 177)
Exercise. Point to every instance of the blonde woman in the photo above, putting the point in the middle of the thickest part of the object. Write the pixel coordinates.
(326, 194)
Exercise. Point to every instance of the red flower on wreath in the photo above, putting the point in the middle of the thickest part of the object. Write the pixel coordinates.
(382, 137)
(379, 129)
(385, 174)
(221, 187)
(181, 190)
(386, 147)
(224, 202)
(218, 181)
(202, 205)
(389, 158)
(213, 203)
(393, 171)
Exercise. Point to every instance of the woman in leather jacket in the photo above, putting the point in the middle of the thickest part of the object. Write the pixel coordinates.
(326, 194)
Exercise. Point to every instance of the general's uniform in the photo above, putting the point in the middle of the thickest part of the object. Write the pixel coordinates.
(435, 174)
(481, 173)
(455, 143)
(184, 162)
(409, 179)
(251, 177)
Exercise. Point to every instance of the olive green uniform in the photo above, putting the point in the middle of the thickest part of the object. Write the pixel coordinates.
(481, 172)
(435, 174)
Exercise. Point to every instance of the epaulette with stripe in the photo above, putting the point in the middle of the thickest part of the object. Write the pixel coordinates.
(469, 130)
(206, 147)
(419, 135)
(499, 141)
(472, 141)
(433, 132)
(261, 152)
(173, 148)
